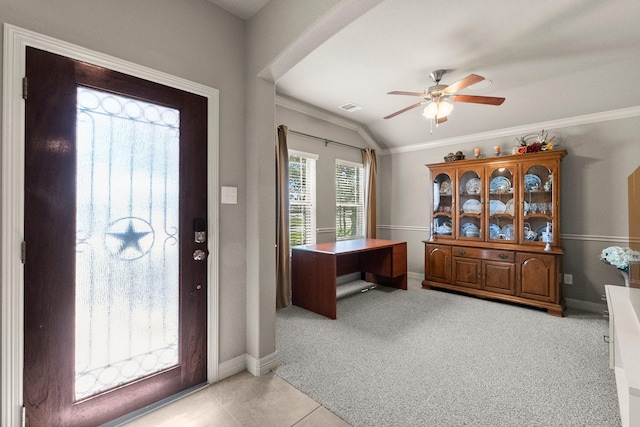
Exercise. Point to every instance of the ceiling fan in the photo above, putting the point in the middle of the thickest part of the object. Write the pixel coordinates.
(436, 97)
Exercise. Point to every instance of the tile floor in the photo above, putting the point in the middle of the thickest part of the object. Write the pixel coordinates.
(243, 400)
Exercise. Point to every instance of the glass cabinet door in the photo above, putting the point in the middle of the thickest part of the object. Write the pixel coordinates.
(502, 207)
(470, 205)
(443, 205)
(538, 204)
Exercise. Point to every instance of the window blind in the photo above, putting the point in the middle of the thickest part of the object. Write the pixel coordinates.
(302, 198)
(349, 200)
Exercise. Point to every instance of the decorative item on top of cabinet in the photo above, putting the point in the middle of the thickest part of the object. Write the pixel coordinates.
(495, 229)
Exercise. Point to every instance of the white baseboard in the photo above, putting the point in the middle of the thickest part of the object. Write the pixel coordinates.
(414, 275)
(262, 366)
(245, 362)
(232, 367)
(585, 305)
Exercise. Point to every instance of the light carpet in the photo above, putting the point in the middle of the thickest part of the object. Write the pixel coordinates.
(431, 358)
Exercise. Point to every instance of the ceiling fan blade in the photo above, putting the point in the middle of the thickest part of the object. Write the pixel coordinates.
(400, 92)
(411, 107)
(487, 100)
(461, 84)
(441, 119)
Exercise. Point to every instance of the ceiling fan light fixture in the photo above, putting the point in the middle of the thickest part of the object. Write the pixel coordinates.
(437, 109)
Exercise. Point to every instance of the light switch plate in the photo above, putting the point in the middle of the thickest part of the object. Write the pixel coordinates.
(229, 195)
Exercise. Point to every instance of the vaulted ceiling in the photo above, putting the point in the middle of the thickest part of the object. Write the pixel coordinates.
(550, 59)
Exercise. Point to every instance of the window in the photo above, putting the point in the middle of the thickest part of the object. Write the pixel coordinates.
(349, 200)
(302, 198)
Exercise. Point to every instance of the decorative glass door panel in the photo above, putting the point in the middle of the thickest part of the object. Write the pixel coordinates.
(127, 250)
(502, 206)
(115, 199)
(443, 205)
(538, 205)
(470, 205)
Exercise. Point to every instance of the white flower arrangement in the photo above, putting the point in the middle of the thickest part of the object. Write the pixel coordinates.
(619, 257)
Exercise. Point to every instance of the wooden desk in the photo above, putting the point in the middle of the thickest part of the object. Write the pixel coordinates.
(314, 269)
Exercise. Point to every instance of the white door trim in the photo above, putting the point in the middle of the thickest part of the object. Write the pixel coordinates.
(16, 41)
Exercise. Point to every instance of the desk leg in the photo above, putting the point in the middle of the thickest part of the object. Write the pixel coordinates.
(313, 282)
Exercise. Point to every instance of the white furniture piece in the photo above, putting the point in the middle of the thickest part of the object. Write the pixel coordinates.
(624, 344)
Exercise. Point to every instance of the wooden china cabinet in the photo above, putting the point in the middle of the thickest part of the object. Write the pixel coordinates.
(496, 229)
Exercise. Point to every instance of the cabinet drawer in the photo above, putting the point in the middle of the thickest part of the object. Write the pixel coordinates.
(488, 254)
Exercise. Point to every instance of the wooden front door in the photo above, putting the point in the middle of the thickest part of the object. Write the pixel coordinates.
(115, 303)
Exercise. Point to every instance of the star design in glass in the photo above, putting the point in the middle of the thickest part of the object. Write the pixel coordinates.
(130, 238)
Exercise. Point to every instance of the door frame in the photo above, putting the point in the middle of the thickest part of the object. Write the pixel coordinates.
(16, 40)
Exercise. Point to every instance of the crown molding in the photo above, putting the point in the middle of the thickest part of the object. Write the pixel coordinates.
(327, 117)
(604, 116)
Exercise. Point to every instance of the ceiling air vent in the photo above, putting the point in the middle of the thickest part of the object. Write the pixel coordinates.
(350, 107)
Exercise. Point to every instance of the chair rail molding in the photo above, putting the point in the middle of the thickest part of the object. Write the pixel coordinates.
(417, 228)
(623, 240)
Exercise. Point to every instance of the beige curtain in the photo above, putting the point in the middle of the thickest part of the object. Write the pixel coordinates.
(371, 172)
(283, 268)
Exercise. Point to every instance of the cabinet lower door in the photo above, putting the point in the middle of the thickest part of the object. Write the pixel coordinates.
(438, 263)
(467, 272)
(536, 276)
(499, 277)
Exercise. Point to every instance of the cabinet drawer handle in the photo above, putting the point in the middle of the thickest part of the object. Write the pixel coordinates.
(503, 256)
(461, 252)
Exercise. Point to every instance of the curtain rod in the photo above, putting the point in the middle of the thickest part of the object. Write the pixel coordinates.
(325, 140)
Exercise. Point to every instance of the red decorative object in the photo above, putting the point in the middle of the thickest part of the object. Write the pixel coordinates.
(534, 147)
(540, 143)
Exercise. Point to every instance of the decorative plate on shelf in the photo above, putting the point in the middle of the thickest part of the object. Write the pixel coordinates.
(509, 207)
(472, 206)
(474, 186)
(496, 207)
(500, 184)
(494, 231)
(531, 182)
(445, 187)
(469, 226)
